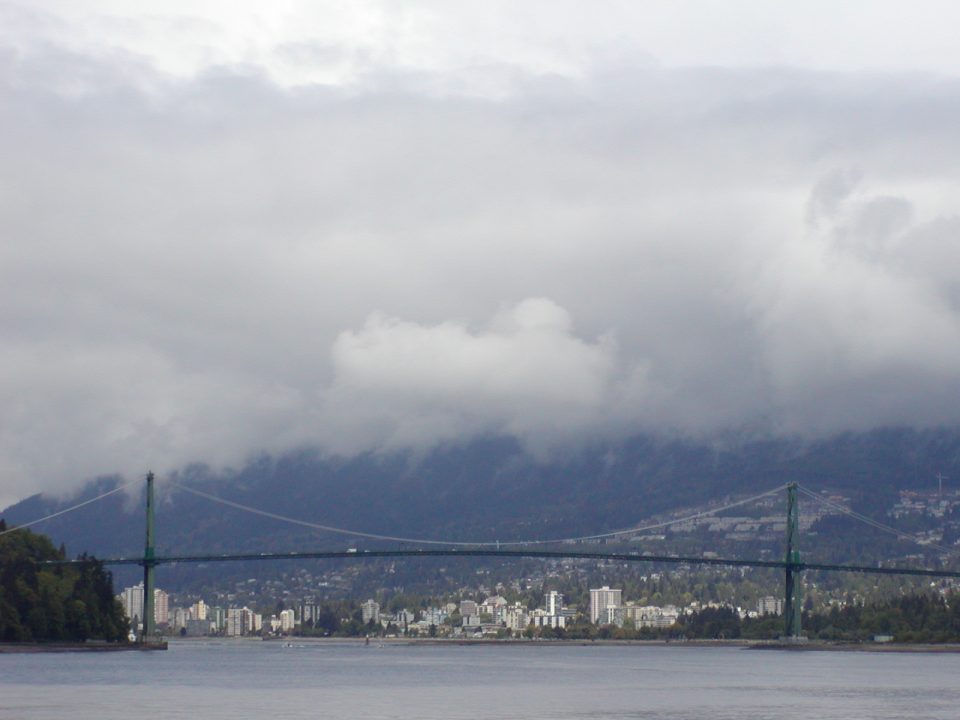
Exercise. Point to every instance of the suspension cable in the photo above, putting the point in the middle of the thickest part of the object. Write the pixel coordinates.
(870, 521)
(512, 543)
(667, 523)
(69, 509)
(393, 538)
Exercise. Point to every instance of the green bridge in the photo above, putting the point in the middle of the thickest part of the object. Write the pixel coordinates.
(792, 565)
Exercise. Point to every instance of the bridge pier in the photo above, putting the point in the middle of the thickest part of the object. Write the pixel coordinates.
(149, 563)
(792, 592)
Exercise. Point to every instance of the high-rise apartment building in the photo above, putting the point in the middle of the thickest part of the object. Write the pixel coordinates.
(132, 601)
(252, 621)
(234, 622)
(218, 618)
(161, 607)
(370, 611)
(601, 599)
(554, 602)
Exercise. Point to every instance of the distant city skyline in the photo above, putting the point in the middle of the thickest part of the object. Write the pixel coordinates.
(492, 616)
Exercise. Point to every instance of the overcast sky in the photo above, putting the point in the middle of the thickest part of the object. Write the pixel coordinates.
(230, 228)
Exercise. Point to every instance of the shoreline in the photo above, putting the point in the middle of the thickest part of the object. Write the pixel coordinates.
(74, 647)
(746, 644)
(768, 645)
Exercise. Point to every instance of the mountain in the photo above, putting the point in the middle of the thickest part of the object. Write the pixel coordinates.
(488, 490)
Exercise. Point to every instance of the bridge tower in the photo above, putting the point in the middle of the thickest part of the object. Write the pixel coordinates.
(792, 602)
(149, 563)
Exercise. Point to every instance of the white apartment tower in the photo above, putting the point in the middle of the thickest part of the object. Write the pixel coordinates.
(770, 605)
(370, 611)
(601, 599)
(554, 602)
(132, 600)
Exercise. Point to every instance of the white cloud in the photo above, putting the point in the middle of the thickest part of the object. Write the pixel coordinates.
(487, 48)
(402, 384)
(194, 248)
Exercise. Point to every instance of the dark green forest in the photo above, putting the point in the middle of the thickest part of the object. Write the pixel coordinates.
(54, 603)
(910, 619)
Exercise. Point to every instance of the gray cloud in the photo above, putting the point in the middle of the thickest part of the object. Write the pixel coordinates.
(200, 269)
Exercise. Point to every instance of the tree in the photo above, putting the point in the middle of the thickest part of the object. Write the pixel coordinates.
(54, 602)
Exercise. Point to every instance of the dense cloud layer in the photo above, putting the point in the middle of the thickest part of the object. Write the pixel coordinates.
(401, 384)
(200, 268)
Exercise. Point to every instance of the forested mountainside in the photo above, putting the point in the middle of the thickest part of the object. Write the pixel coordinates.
(489, 490)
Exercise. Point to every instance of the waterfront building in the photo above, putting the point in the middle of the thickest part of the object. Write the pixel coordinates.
(435, 616)
(161, 607)
(470, 621)
(218, 618)
(554, 602)
(287, 621)
(647, 616)
(541, 618)
(252, 621)
(494, 607)
(612, 615)
(370, 611)
(243, 621)
(468, 608)
(234, 622)
(198, 611)
(515, 617)
(668, 616)
(770, 605)
(180, 618)
(132, 601)
(603, 598)
(307, 613)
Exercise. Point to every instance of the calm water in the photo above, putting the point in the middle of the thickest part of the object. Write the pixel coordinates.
(219, 680)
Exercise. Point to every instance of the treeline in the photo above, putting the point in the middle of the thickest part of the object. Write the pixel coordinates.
(909, 619)
(58, 603)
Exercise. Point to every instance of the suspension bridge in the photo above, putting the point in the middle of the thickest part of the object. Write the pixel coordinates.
(792, 565)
